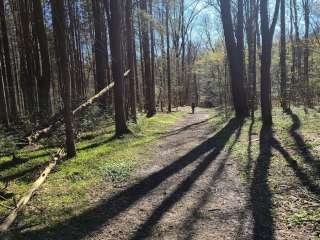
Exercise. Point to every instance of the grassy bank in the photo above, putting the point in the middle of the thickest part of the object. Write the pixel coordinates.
(75, 184)
(292, 170)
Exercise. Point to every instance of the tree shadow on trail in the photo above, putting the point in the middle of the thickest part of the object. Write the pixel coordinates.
(220, 141)
(177, 131)
(260, 193)
(92, 219)
(190, 221)
(300, 143)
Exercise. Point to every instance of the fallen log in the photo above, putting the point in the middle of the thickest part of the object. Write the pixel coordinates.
(35, 136)
(57, 119)
(5, 225)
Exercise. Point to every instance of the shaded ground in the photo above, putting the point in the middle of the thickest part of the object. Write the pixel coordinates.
(203, 195)
(233, 182)
(191, 190)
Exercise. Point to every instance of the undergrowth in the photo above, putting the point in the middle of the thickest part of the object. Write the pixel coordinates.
(75, 183)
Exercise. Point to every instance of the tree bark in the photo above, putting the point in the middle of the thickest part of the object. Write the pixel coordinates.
(117, 72)
(168, 57)
(252, 53)
(59, 25)
(234, 57)
(130, 56)
(45, 79)
(99, 50)
(267, 36)
(6, 50)
(307, 94)
(29, 77)
(283, 61)
(150, 88)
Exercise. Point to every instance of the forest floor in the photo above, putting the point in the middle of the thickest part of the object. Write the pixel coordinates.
(208, 178)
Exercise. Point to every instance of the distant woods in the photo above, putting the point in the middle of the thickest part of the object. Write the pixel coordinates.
(56, 54)
(284, 78)
(235, 54)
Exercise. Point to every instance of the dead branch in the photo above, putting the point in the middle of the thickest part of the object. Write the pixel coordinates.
(26, 198)
(57, 119)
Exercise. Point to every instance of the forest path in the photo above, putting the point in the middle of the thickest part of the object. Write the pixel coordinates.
(190, 190)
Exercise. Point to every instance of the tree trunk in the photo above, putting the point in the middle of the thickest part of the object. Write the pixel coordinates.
(29, 78)
(240, 39)
(283, 61)
(183, 55)
(293, 55)
(117, 72)
(234, 57)
(267, 36)
(307, 93)
(252, 53)
(4, 114)
(168, 57)
(6, 50)
(152, 42)
(45, 79)
(130, 56)
(59, 25)
(99, 50)
(150, 88)
(298, 53)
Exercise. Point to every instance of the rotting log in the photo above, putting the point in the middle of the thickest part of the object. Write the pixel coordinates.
(5, 225)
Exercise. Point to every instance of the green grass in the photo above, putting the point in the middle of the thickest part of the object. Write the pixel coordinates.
(294, 205)
(75, 184)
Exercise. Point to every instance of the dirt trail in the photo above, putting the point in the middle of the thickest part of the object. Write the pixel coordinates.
(193, 189)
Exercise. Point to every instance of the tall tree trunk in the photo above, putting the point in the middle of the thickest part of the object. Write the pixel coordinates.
(307, 93)
(252, 53)
(152, 42)
(8, 69)
(45, 80)
(234, 57)
(150, 88)
(142, 68)
(283, 61)
(100, 50)
(293, 54)
(168, 57)
(267, 36)
(183, 54)
(298, 53)
(240, 38)
(29, 79)
(130, 56)
(59, 25)
(4, 114)
(117, 68)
